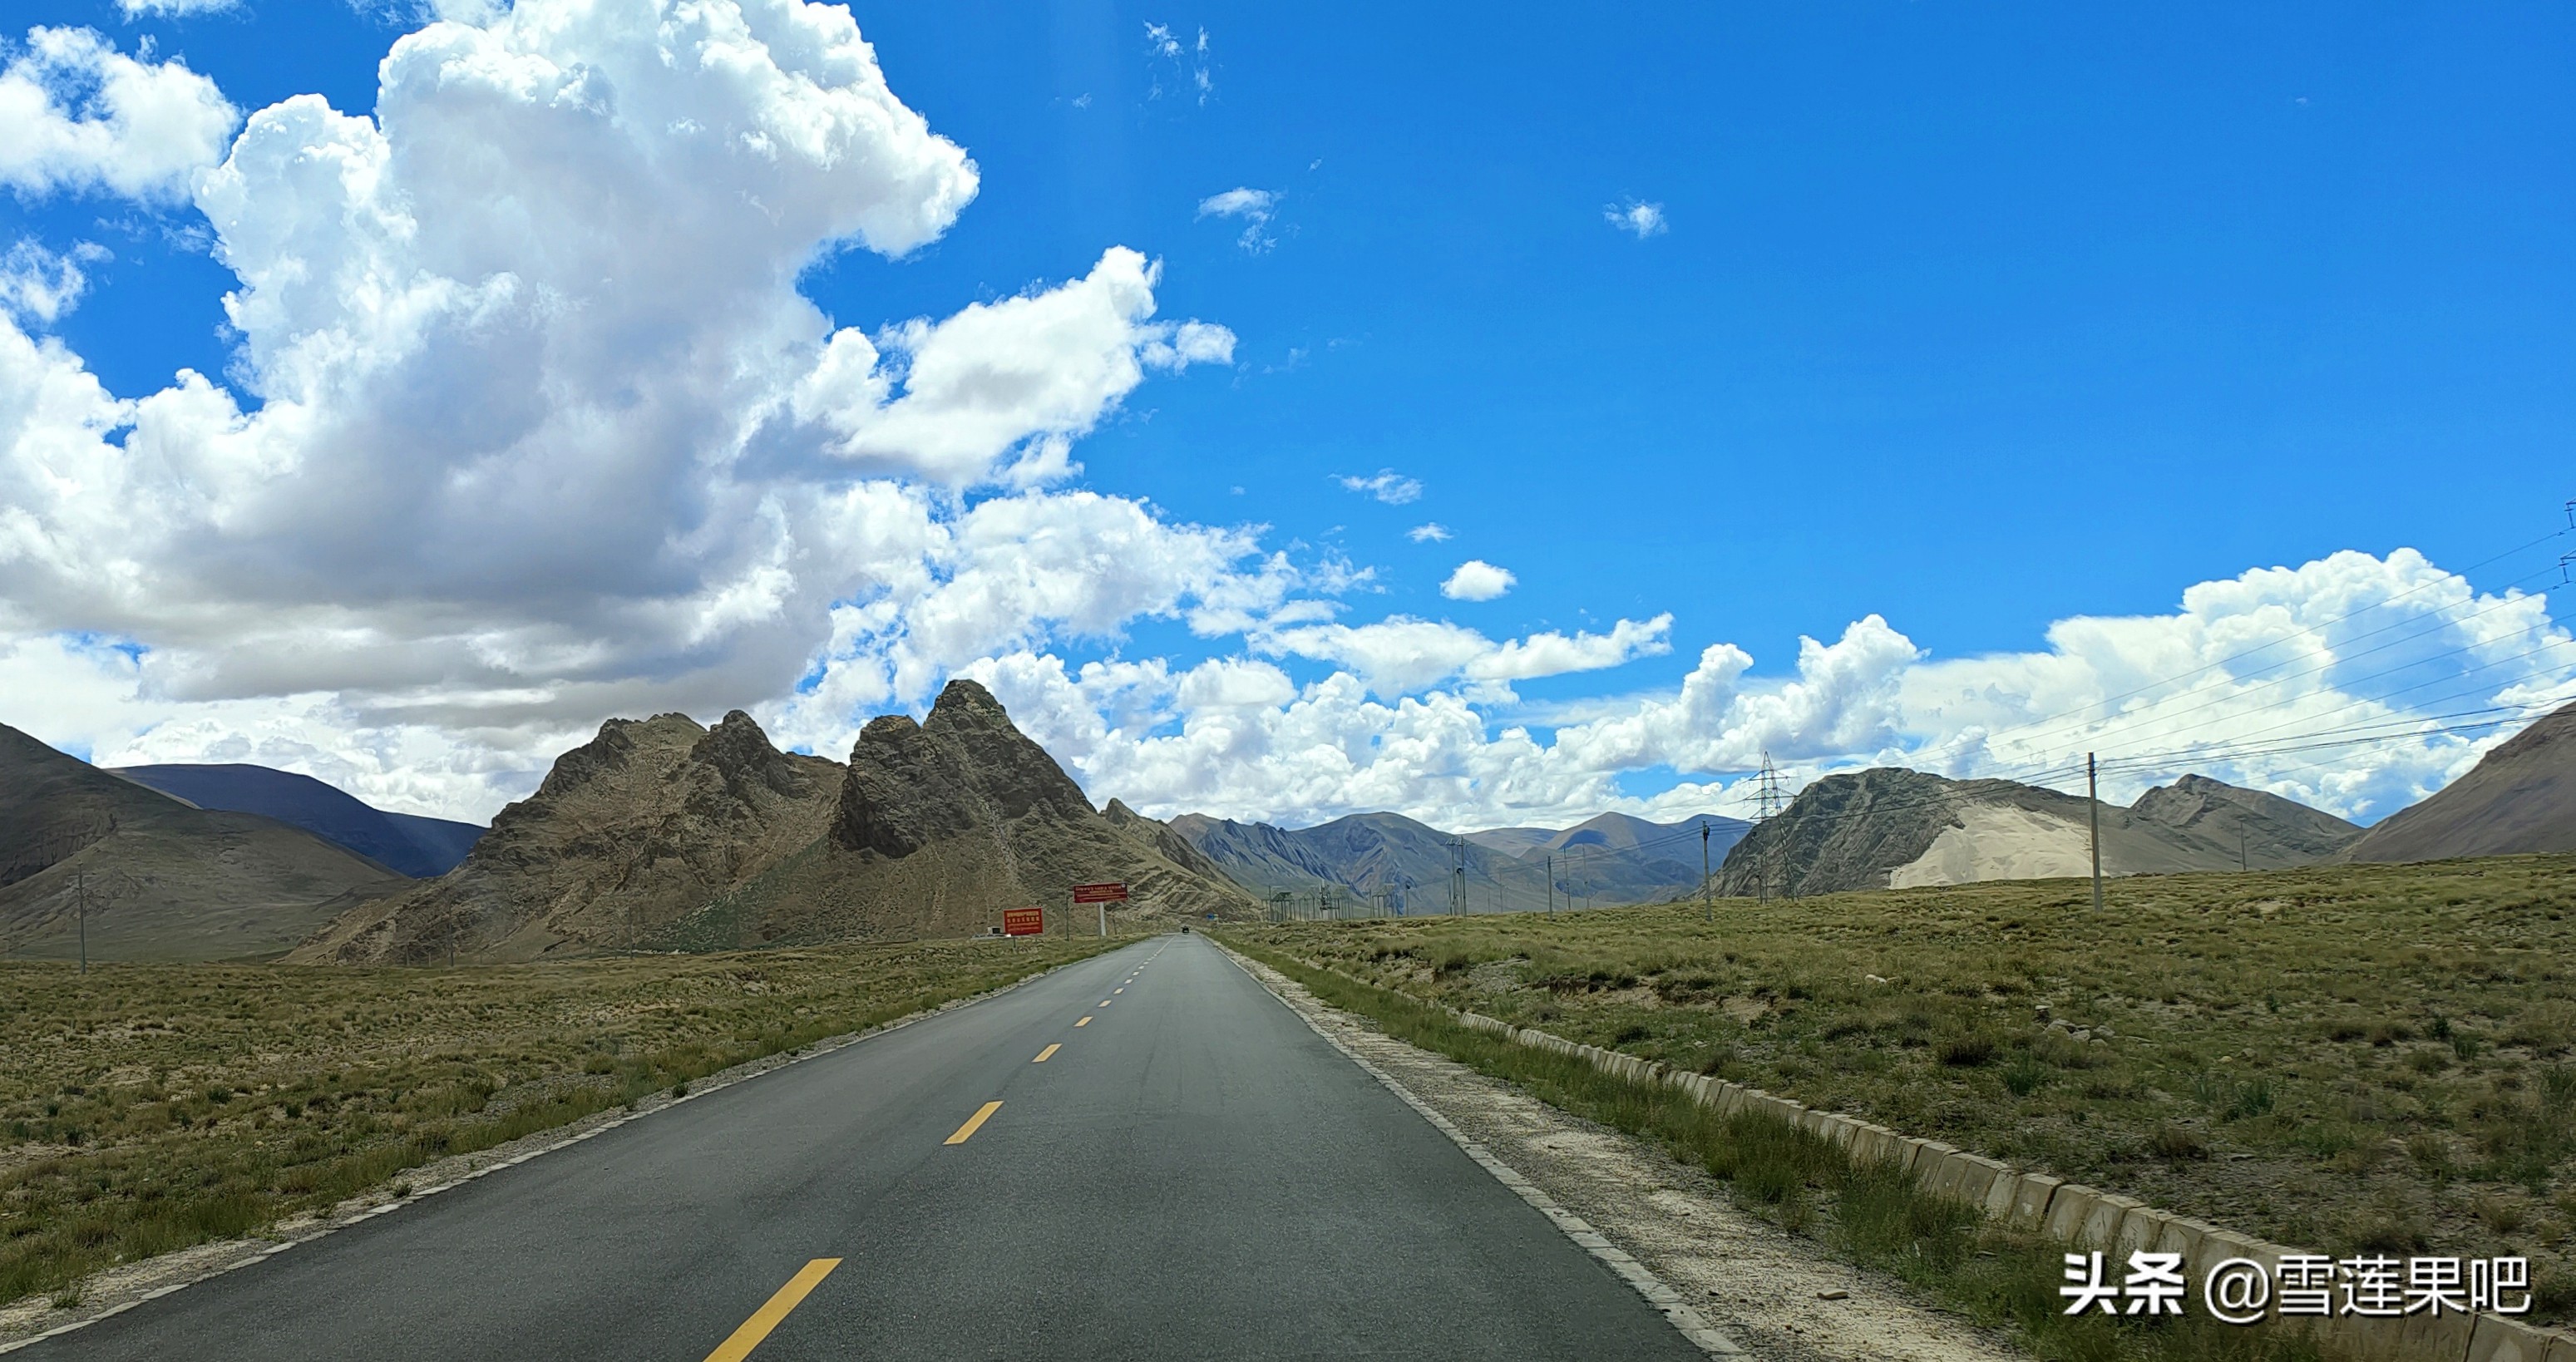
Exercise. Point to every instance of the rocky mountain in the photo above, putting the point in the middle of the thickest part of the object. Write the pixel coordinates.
(2272, 832)
(2519, 798)
(1894, 828)
(633, 830)
(422, 848)
(664, 835)
(1613, 858)
(942, 824)
(163, 879)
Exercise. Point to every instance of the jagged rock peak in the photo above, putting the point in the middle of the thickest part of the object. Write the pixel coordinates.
(968, 768)
(742, 753)
(885, 730)
(1006, 767)
(966, 707)
(607, 753)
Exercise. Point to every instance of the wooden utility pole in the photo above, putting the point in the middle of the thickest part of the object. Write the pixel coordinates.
(2093, 807)
(1707, 892)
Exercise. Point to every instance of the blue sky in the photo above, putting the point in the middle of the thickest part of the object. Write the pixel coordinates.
(1975, 319)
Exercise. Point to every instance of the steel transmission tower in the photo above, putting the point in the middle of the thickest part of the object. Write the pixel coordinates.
(1768, 803)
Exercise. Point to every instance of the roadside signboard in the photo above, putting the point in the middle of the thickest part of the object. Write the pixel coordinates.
(1023, 921)
(1100, 893)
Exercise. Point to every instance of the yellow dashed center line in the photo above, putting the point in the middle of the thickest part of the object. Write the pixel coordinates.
(1084, 1022)
(974, 1123)
(1117, 990)
(1042, 1054)
(766, 1318)
(1104, 1002)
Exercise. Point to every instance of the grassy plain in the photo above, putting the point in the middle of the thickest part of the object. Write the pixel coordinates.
(145, 1108)
(2349, 1057)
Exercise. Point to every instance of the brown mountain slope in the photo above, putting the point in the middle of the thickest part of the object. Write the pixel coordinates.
(164, 879)
(640, 826)
(941, 825)
(2519, 798)
(2272, 832)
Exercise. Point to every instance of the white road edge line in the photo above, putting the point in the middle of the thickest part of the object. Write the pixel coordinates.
(697, 1089)
(1691, 1324)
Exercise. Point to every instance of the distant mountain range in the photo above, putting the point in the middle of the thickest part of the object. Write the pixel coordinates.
(161, 879)
(1893, 828)
(1392, 859)
(663, 834)
(423, 848)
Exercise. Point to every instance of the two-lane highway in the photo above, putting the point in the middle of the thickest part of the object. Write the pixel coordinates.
(1142, 1155)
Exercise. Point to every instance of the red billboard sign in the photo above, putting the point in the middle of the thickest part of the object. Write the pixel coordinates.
(1023, 921)
(1100, 893)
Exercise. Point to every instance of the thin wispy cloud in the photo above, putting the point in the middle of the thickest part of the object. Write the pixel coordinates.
(1191, 64)
(1254, 207)
(1386, 485)
(1431, 533)
(40, 286)
(1638, 218)
(172, 9)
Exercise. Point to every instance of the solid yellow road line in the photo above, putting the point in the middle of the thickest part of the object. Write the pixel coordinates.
(1042, 1057)
(766, 1318)
(974, 1123)
(1084, 1022)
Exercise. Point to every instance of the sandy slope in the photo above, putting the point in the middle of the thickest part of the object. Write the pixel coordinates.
(1999, 842)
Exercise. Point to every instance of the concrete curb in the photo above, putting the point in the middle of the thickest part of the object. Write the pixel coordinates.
(252, 1251)
(2083, 1217)
(1689, 1322)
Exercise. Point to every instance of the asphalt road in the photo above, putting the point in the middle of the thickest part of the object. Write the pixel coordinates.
(1189, 1173)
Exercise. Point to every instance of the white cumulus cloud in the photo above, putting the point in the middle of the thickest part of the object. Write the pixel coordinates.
(543, 430)
(1028, 374)
(1431, 533)
(1477, 580)
(2249, 681)
(1401, 655)
(84, 117)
